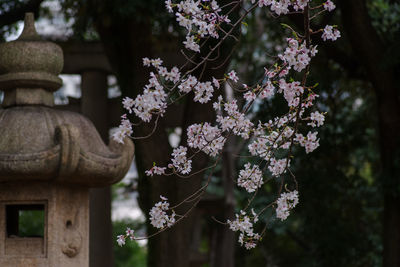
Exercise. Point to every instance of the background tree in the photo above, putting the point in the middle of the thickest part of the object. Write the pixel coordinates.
(349, 74)
(350, 194)
(129, 31)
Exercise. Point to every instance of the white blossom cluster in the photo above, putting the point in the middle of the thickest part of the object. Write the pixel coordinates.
(259, 147)
(244, 224)
(153, 100)
(297, 55)
(270, 141)
(234, 121)
(277, 167)
(264, 144)
(281, 7)
(250, 178)
(317, 119)
(158, 214)
(309, 142)
(180, 162)
(129, 233)
(265, 91)
(268, 90)
(124, 129)
(329, 5)
(203, 91)
(233, 76)
(330, 33)
(121, 240)
(291, 92)
(200, 18)
(155, 170)
(188, 84)
(205, 137)
(286, 202)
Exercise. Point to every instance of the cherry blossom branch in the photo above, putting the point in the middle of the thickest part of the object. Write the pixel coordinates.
(204, 20)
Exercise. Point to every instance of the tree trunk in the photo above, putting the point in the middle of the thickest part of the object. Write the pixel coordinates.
(94, 105)
(225, 250)
(389, 128)
(369, 48)
(125, 50)
(126, 41)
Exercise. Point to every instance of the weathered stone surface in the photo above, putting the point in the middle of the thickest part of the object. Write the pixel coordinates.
(28, 96)
(38, 142)
(66, 236)
(30, 62)
(48, 159)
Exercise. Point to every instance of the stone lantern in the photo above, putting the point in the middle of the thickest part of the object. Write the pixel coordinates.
(48, 160)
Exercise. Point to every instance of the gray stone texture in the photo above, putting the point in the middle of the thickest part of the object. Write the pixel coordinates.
(48, 157)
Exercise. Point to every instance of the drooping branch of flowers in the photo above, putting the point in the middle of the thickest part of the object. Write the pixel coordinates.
(204, 20)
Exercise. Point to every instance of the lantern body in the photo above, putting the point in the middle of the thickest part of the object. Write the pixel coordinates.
(49, 159)
(64, 238)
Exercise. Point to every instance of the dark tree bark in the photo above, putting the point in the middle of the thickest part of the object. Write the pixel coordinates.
(225, 253)
(94, 105)
(367, 45)
(126, 42)
(18, 13)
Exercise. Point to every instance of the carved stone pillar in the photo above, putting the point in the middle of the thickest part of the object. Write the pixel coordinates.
(94, 105)
(48, 161)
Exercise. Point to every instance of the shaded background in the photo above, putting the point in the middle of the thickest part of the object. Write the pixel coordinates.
(349, 211)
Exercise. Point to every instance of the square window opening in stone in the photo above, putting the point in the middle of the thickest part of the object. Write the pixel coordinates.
(25, 220)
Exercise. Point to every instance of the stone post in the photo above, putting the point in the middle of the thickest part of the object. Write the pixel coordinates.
(49, 159)
(94, 103)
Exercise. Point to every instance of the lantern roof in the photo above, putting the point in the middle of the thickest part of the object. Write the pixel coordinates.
(38, 142)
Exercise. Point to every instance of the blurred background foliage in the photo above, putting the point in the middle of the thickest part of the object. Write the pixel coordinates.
(339, 219)
(31, 223)
(132, 254)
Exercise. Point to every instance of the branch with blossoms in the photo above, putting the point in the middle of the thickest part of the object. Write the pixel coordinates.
(267, 140)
